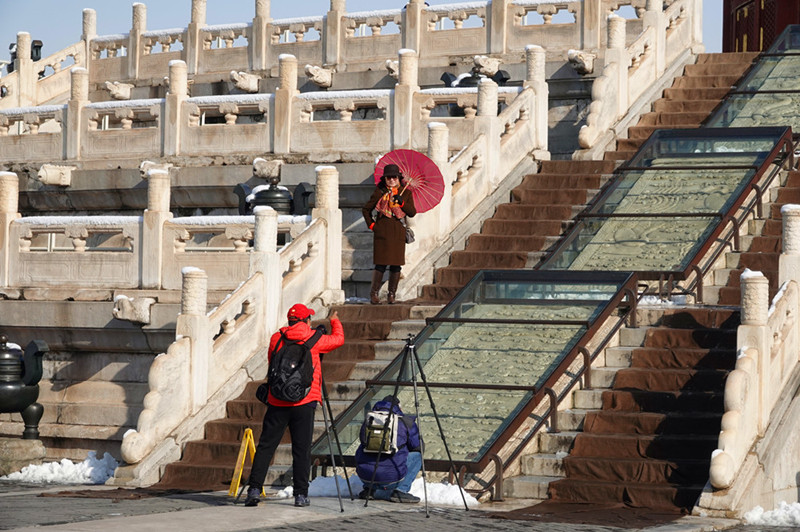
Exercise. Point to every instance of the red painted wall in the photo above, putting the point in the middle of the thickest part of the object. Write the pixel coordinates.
(752, 25)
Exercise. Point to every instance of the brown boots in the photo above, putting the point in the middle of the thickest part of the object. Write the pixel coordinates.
(377, 280)
(394, 280)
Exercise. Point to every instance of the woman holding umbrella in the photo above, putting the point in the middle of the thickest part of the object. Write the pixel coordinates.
(393, 202)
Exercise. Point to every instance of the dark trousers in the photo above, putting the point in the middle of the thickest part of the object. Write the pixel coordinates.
(300, 420)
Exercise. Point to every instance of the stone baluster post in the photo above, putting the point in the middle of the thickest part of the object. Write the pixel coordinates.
(89, 32)
(486, 122)
(259, 39)
(591, 20)
(193, 323)
(327, 207)
(138, 27)
(193, 44)
(25, 93)
(175, 118)
(536, 78)
(439, 152)
(404, 98)
(789, 263)
(654, 17)
(333, 34)
(265, 260)
(284, 97)
(156, 214)
(413, 25)
(73, 125)
(618, 54)
(498, 26)
(9, 205)
(754, 333)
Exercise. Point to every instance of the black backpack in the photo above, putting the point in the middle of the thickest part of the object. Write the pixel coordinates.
(291, 370)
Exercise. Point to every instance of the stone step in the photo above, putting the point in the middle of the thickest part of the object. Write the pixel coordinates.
(388, 350)
(588, 399)
(420, 312)
(632, 337)
(619, 356)
(543, 464)
(603, 377)
(401, 329)
(553, 442)
(366, 370)
(345, 390)
(527, 487)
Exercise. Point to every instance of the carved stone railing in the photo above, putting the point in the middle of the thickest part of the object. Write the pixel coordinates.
(146, 251)
(212, 357)
(754, 447)
(631, 69)
(358, 121)
(354, 42)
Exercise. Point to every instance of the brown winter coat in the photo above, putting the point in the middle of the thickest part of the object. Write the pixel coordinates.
(389, 234)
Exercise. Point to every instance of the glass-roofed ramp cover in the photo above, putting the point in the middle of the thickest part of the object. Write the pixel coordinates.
(487, 358)
(669, 202)
(770, 94)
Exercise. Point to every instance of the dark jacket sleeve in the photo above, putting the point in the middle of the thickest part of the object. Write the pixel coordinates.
(412, 436)
(408, 204)
(366, 210)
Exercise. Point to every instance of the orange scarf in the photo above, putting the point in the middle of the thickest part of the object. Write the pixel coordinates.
(388, 207)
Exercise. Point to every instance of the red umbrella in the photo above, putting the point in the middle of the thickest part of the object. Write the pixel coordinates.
(420, 175)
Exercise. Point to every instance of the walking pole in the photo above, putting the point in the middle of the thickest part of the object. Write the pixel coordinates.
(438, 423)
(336, 435)
(388, 420)
(330, 446)
(410, 348)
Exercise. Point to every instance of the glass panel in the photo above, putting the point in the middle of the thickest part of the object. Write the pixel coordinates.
(773, 74)
(705, 190)
(707, 147)
(499, 350)
(787, 41)
(634, 244)
(753, 110)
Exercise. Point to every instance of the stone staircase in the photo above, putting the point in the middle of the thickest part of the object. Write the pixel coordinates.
(644, 435)
(689, 101)
(374, 335)
(516, 236)
(763, 248)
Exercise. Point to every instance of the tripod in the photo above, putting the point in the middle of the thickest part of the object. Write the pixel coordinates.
(411, 360)
(328, 411)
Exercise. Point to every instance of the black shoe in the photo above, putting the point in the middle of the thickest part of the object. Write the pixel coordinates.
(365, 494)
(252, 498)
(402, 496)
(301, 500)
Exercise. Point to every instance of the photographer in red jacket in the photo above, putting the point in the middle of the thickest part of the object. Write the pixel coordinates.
(298, 416)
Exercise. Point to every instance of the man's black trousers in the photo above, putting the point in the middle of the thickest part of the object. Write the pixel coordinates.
(300, 420)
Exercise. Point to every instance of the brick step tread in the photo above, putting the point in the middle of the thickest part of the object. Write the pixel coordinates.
(662, 401)
(211, 476)
(662, 380)
(645, 470)
(644, 446)
(631, 493)
(652, 423)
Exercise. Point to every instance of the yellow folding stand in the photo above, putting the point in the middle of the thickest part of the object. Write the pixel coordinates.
(248, 448)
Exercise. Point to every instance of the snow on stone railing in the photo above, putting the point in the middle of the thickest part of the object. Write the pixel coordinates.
(92, 251)
(767, 361)
(630, 70)
(28, 121)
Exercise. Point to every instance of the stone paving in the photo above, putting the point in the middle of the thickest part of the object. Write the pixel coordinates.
(21, 508)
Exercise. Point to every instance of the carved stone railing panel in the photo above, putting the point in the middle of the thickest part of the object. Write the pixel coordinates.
(162, 41)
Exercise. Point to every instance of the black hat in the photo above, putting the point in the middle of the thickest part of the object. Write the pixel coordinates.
(391, 170)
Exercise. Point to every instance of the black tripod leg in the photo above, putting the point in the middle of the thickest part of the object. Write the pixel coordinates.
(416, 411)
(330, 446)
(438, 423)
(336, 436)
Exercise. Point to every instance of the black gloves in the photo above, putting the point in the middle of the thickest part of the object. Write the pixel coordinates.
(397, 198)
